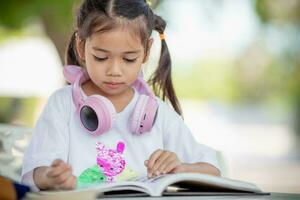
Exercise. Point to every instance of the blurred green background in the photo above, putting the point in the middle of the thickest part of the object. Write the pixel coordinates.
(236, 70)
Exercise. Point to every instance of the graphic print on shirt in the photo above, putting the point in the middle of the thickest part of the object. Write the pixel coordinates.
(92, 175)
(110, 161)
(110, 166)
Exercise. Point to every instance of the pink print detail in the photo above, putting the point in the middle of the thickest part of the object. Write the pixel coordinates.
(110, 161)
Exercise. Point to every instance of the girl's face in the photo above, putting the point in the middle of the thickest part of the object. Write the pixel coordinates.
(113, 59)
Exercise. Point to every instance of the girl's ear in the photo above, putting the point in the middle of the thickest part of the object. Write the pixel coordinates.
(80, 48)
(149, 45)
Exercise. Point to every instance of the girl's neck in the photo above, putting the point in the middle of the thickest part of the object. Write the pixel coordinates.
(119, 101)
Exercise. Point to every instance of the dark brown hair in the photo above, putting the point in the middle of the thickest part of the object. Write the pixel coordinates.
(104, 15)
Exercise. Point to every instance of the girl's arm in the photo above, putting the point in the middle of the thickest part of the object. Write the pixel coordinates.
(51, 132)
(199, 167)
(179, 142)
(57, 176)
(39, 177)
(163, 161)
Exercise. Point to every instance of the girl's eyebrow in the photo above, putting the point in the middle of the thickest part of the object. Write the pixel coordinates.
(106, 51)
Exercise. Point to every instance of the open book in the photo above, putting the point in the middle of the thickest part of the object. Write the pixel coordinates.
(163, 185)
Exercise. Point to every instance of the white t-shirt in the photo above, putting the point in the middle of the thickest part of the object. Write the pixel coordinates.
(58, 134)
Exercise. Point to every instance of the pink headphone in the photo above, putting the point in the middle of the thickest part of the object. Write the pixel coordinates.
(97, 113)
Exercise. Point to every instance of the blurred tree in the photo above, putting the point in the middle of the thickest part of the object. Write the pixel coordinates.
(278, 11)
(8, 106)
(284, 18)
(56, 17)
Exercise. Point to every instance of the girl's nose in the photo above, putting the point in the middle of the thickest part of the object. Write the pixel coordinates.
(114, 69)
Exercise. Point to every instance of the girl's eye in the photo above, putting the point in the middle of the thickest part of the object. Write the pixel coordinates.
(99, 59)
(129, 60)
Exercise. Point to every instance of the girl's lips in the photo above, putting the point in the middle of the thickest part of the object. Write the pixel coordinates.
(113, 85)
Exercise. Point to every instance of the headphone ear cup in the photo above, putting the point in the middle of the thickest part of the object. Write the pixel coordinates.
(97, 114)
(144, 115)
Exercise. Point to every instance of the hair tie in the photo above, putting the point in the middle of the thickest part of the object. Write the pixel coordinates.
(162, 36)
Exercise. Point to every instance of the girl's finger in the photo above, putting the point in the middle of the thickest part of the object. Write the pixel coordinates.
(172, 165)
(57, 170)
(62, 177)
(69, 184)
(166, 163)
(160, 160)
(146, 163)
(57, 162)
(154, 157)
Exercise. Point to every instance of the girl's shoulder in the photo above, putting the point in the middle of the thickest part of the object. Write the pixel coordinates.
(61, 94)
(166, 111)
(60, 99)
(165, 106)
(58, 105)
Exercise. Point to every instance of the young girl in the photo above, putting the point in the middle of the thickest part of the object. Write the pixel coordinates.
(107, 125)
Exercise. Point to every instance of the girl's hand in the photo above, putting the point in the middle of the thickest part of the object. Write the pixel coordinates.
(162, 162)
(59, 176)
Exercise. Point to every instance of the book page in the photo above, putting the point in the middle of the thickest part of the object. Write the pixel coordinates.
(155, 185)
(195, 182)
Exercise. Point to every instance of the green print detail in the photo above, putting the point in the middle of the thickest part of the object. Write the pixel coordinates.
(92, 175)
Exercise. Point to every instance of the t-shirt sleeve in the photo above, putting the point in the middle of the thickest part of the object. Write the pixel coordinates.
(178, 138)
(50, 138)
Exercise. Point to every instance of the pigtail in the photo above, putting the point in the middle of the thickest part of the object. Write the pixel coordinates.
(161, 79)
(71, 55)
